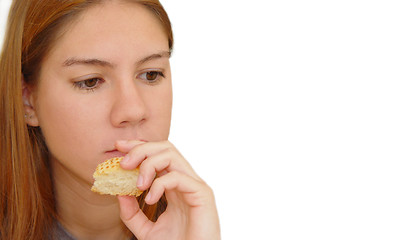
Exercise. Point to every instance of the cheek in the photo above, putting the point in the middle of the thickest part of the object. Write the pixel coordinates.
(69, 129)
(159, 108)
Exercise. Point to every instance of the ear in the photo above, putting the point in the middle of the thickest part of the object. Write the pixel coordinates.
(28, 101)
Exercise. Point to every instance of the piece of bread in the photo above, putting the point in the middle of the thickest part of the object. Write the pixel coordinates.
(111, 179)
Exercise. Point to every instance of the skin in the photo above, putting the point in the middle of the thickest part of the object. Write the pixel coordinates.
(103, 91)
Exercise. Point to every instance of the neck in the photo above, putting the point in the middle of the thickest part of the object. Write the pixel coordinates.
(85, 214)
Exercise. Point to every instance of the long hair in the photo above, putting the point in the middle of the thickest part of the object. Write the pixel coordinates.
(27, 204)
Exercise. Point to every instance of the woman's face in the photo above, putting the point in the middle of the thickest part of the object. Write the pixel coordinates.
(106, 79)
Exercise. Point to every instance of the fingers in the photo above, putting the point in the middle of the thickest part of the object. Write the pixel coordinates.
(126, 146)
(194, 192)
(164, 170)
(160, 164)
(160, 159)
(154, 158)
(133, 217)
(137, 151)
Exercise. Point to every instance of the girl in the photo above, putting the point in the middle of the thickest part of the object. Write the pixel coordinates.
(82, 81)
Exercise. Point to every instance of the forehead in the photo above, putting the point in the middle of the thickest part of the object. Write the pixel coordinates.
(114, 30)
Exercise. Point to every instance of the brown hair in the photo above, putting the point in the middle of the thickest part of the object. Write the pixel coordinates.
(26, 190)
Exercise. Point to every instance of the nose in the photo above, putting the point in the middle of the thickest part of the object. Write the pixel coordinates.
(128, 107)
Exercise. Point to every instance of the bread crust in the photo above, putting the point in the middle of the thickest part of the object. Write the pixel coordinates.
(111, 179)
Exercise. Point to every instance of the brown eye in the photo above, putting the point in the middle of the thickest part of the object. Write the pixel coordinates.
(151, 76)
(91, 82)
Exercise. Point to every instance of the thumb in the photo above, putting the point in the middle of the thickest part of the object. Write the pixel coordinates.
(133, 217)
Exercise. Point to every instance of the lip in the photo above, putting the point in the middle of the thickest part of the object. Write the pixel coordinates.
(114, 153)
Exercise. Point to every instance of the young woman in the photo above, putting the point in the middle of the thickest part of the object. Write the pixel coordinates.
(82, 81)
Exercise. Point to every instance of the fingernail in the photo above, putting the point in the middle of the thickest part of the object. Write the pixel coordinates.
(148, 197)
(125, 159)
(140, 181)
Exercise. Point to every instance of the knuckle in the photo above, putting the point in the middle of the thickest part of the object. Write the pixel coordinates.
(169, 146)
(144, 165)
(206, 188)
(168, 143)
(133, 152)
(173, 175)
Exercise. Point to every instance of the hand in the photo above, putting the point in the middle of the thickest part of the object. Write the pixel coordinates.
(191, 212)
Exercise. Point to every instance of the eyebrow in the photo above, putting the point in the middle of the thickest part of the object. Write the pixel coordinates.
(163, 54)
(89, 61)
(98, 62)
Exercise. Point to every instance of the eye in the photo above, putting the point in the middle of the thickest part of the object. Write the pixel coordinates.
(152, 76)
(89, 84)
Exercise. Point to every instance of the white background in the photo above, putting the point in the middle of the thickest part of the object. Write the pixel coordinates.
(296, 113)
